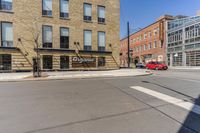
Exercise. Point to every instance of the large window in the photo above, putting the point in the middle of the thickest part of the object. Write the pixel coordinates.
(7, 34)
(192, 33)
(47, 8)
(5, 62)
(64, 8)
(64, 62)
(47, 36)
(6, 5)
(101, 41)
(47, 62)
(87, 40)
(64, 38)
(101, 14)
(87, 12)
(175, 38)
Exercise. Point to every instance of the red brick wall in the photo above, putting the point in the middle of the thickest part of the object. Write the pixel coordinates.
(159, 37)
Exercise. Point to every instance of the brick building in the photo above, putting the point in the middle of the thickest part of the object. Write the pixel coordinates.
(70, 34)
(147, 44)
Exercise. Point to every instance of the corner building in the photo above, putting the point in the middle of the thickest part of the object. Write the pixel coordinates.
(66, 34)
(147, 44)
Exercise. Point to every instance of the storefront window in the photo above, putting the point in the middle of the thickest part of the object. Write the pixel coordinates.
(101, 62)
(47, 62)
(5, 62)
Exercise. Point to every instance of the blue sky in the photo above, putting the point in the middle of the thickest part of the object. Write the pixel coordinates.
(141, 13)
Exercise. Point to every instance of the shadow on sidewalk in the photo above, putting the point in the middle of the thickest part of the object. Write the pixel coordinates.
(192, 121)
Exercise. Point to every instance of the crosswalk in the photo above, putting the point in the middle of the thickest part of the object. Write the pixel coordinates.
(172, 100)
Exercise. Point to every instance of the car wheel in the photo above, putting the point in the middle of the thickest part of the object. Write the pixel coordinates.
(156, 68)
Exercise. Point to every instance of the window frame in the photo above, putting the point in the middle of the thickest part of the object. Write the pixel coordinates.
(86, 47)
(1, 30)
(68, 37)
(87, 18)
(46, 68)
(100, 48)
(102, 63)
(46, 15)
(1, 9)
(98, 18)
(43, 36)
(7, 65)
(61, 12)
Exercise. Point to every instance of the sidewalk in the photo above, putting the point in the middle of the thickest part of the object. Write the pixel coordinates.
(185, 68)
(73, 75)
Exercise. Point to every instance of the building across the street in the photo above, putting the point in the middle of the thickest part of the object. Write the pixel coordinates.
(64, 34)
(147, 44)
(183, 41)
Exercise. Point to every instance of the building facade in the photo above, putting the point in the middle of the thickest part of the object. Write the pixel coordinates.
(64, 34)
(147, 44)
(183, 42)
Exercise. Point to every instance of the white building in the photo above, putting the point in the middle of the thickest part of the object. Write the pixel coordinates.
(183, 41)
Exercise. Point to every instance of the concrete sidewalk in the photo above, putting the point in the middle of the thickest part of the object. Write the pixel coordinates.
(73, 74)
(185, 68)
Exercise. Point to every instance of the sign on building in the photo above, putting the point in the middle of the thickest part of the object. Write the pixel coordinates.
(80, 62)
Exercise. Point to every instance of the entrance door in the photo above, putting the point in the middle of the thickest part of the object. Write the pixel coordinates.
(64, 62)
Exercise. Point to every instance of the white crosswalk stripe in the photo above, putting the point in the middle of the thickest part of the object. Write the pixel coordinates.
(178, 102)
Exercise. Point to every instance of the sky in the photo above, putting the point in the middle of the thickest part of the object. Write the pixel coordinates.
(141, 13)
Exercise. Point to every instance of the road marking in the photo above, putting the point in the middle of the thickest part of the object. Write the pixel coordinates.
(191, 80)
(178, 102)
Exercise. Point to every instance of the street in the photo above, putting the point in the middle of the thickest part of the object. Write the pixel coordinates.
(165, 102)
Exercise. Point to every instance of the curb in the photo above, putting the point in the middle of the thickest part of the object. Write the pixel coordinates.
(68, 78)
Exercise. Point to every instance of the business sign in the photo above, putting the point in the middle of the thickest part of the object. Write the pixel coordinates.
(78, 62)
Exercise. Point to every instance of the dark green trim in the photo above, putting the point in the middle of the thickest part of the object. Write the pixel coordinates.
(9, 48)
(95, 52)
(72, 51)
(54, 50)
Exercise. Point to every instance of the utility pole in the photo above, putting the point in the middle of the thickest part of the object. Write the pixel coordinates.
(128, 31)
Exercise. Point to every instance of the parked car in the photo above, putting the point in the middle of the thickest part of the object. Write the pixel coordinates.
(140, 65)
(156, 66)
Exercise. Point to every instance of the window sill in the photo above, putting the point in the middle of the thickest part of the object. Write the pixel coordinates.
(65, 18)
(47, 16)
(6, 11)
(87, 21)
(102, 23)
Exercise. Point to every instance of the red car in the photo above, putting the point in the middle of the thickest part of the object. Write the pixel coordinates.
(156, 66)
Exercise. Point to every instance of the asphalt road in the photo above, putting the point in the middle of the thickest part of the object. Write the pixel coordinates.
(166, 102)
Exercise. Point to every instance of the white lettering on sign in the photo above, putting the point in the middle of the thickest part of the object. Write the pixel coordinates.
(82, 60)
